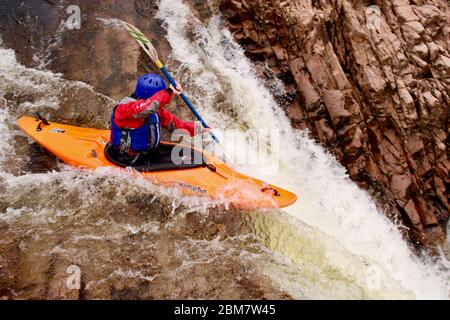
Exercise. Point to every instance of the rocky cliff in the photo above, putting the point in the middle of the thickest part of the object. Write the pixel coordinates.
(371, 81)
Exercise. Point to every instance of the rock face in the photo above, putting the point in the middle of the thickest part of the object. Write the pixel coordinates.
(98, 52)
(371, 81)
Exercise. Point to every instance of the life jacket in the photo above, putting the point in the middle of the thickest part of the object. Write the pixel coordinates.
(144, 138)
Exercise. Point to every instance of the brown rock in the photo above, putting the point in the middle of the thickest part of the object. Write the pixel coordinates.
(412, 32)
(429, 14)
(411, 211)
(372, 95)
(335, 103)
(405, 13)
(400, 185)
(421, 50)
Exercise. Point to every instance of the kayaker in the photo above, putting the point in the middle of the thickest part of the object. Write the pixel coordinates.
(137, 120)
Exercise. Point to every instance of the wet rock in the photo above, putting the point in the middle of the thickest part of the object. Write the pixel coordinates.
(421, 50)
(65, 247)
(404, 11)
(412, 213)
(99, 53)
(429, 14)
(400, 185)
(376, 82)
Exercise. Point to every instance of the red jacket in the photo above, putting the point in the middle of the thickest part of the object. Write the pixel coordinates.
(131, 113)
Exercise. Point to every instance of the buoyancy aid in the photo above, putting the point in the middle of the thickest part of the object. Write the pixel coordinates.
(144, 138)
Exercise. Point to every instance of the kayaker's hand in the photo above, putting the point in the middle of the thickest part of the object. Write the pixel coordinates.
(178, 90)
(206, 130)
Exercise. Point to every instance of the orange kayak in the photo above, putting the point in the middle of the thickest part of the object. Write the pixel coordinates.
(85, 148)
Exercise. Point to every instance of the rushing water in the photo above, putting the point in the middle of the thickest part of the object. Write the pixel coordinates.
(126, 232)
(329, 201)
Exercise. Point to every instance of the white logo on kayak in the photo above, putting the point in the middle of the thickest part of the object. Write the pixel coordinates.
(57, 130)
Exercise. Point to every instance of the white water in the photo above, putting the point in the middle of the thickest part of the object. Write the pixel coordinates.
(214, 65)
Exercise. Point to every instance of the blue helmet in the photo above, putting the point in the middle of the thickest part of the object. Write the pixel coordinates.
(148, 85)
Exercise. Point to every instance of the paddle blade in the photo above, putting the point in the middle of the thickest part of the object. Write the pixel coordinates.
(142, 40)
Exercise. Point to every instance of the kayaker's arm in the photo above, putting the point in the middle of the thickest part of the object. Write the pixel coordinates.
(138, 109)
(171, 122)
(141, 109)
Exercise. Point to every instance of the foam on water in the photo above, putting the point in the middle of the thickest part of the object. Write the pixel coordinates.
(213, 65)
(6, 147)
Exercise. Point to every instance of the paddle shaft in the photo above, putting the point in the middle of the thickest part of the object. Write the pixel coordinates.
(166, 73)
(187, 101)
(148, 47)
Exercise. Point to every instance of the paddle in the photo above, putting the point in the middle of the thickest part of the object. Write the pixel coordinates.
(148, 48)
